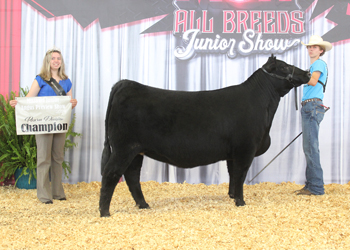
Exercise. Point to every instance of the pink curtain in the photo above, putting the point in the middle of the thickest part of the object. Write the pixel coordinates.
(10, 45)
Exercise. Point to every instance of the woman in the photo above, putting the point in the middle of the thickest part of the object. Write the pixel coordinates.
(50, 147)
(312, 113)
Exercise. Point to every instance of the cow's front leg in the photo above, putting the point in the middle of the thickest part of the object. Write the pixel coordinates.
(109, 182)
(132, 178)
(231, 188)
(237, 178)
(238, 194)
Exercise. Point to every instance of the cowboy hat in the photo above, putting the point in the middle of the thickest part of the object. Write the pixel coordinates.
(317, 40)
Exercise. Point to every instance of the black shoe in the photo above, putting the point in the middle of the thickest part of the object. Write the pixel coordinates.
(48, 202)
(62, 199)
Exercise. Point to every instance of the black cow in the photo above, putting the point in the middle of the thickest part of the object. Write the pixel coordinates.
(189, 129)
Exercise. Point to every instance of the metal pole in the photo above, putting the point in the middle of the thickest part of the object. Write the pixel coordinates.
(326, 109)
(275, 157)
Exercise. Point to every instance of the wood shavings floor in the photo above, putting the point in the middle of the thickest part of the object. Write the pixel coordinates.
(182, 216)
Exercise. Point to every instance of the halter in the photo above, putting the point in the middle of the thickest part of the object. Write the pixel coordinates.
(289, 77)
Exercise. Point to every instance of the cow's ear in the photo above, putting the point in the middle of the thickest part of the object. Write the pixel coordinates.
(273, 58)
(270, 65)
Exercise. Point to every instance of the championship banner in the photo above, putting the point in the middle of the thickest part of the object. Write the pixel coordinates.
(43, 115)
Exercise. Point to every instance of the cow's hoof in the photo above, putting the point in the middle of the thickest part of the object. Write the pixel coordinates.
(104, 214)
(144, 206)
(231, 196)
(239, 202)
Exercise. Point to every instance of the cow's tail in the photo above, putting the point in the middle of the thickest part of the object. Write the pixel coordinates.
(106, 153)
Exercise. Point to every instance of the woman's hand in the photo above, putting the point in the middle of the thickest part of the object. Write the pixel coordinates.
(13, 103)
(74, 102)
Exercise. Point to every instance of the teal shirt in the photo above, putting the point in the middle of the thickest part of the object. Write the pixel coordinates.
(316, 91)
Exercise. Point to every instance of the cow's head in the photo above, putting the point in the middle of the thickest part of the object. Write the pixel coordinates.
(285, 76)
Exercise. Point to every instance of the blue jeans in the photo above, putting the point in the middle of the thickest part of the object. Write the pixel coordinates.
(312, 114)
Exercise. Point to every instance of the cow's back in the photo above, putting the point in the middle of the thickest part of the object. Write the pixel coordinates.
(182, 128)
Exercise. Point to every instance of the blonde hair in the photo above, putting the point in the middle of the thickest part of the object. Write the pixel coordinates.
(45, 71)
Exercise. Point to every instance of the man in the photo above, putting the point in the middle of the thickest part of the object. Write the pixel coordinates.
(312, 113)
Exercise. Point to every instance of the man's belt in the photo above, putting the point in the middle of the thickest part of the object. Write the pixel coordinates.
(311, 100)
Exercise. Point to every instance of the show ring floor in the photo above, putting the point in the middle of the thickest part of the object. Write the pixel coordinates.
(182, 216)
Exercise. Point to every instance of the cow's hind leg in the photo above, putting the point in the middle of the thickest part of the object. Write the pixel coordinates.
(132, 178)
(237, 174)
(111, 175)
(109, 182)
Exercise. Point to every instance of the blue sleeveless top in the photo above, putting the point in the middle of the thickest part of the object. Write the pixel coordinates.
(46, 90)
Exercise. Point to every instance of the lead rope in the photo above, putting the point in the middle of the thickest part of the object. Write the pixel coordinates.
(296, 98)
(295, 93)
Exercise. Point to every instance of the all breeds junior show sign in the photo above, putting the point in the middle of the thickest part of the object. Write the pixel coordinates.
(228, 27)
(43, 115)
(232, 27)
